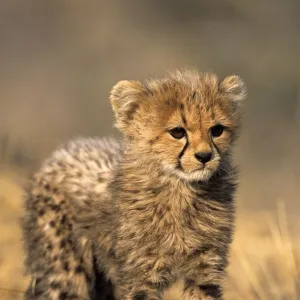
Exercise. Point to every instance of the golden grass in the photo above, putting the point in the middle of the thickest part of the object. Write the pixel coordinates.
(265, 258)
(12, 280)
(265, 255)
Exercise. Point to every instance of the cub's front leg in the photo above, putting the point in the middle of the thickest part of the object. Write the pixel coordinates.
(204, 274)
(144, 279)
(193, 291)
(136, 291)
(136, 287)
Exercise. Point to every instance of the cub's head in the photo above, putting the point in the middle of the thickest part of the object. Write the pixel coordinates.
(185, 123)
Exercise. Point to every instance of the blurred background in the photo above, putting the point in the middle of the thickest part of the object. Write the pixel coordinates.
(59, 60)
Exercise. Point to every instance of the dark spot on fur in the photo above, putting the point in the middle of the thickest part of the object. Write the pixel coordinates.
(49, 247)
(87, 277)
(131, 235)
(101, 179)
(63, 243)
(111, 253)
(58, 232)
(140, 296)
(60, 164)
(189, 222)
(55, 257)
(55, 207)
(47, 199)
(41, 212)
(82, 261)
(161, 284)
(66, 266)
(188, 284)
(165, 87)
(69, 239)
(87, 202)
(63, 256)
(79, 269)
(153, 191)
(195, 205)
(202, 265)
(55, 285)
(148, 91)
(159, 212)
(212, 290)
(194, 95)
(63, 295)
(36, 239)
(134, 107)
(52, 223)
(133, 191)
(49, 270)
(202, 250)
(63, 219)
(69, 283)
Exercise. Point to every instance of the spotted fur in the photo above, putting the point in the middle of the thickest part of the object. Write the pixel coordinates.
(60, 263)
(159, 215)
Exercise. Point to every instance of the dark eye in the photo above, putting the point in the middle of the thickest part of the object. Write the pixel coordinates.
(177, 132)
(217, 130)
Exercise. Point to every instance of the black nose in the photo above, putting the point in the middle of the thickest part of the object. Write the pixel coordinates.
(203, 157)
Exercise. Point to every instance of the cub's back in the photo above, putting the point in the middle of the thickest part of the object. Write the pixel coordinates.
(59, 263)
(81, 167)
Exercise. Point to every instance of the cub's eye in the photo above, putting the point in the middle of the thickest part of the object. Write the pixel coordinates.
(177, 132)
(217, 130)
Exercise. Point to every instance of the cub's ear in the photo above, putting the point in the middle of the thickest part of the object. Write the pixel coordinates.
(124, 98)
(235, 88)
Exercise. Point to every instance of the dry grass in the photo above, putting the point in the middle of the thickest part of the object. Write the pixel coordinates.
(265, 257)
(12, 280)
(265, 262)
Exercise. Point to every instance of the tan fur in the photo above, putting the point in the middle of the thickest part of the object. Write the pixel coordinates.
(161, 216)
(60, 262)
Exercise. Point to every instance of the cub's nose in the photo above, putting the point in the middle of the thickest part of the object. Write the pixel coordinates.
(203, 157)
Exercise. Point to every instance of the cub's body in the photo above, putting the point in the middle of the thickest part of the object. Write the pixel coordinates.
(61, 262)
(142, 216)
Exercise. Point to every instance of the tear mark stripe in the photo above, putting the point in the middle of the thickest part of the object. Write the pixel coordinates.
(179, 166)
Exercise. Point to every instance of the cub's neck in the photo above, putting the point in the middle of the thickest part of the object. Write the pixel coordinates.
(140, 177)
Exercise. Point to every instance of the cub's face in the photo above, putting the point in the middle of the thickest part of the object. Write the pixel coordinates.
(186, 123)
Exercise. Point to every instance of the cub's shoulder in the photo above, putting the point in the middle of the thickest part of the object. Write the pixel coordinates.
(81, 166)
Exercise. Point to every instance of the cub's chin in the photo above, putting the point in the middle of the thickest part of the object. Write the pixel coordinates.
(198, 175)
(203, 174)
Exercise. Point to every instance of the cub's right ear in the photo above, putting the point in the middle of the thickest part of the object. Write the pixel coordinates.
(234, 87)
(124, 98)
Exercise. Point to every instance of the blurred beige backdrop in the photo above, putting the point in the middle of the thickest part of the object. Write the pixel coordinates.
(59, 60)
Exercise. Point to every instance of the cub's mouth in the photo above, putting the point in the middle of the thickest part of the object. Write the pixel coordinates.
(201, 174)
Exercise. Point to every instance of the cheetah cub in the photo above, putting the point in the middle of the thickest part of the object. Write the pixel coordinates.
(144, 214)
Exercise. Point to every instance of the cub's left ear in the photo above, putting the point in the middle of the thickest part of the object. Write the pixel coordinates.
(124, 97)
(235, 88)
